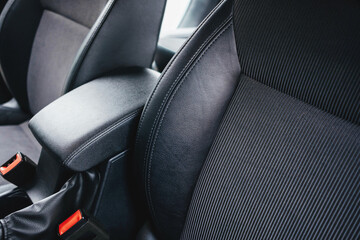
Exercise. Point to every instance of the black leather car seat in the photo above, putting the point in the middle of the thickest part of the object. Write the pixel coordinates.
(49, 47)
(253, 129)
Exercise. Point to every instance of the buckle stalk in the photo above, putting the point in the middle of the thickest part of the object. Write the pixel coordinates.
(19, 170)
(78, 227)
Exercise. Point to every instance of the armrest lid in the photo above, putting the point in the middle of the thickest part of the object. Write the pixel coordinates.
(95, 121)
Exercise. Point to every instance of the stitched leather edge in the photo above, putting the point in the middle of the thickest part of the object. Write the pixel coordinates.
(218, 33)
(169, 65)
(99, 135)
(207, 40)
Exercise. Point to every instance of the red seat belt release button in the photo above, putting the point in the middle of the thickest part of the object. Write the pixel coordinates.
(79, 227)
(70, 222)
(5, 169)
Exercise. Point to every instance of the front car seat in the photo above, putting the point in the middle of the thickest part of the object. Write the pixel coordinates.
(253, 130)
(49, 47)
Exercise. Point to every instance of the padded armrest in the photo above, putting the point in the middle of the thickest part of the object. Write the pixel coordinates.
(95, 121)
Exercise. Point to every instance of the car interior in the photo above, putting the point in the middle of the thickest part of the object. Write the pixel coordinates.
(166, 119)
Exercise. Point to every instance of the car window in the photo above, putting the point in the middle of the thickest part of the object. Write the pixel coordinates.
(174, 13)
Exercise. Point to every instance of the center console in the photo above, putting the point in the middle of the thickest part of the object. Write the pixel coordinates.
(87, 137)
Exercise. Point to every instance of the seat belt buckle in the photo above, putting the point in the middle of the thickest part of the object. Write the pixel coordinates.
(19, 170)
(78, 226)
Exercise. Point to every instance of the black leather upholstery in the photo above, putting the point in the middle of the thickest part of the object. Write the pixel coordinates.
(181, 119)
(277, 158)
(127, 37)
(79, 45)
(48, 48)
(170, 43)
(253, 130)
(98, 120)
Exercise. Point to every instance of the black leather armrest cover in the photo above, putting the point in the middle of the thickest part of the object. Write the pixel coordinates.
(95, 121)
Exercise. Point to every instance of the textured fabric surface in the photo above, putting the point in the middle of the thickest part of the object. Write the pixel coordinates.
(17, 138)
(16, 40)
(278, 169)
(84, 12)
(56, 44)
(308, 49)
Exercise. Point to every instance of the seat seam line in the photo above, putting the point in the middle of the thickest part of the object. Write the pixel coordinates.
(226, 26)
(197, 52)
(171, 63)
(298, 99)
(99, 135)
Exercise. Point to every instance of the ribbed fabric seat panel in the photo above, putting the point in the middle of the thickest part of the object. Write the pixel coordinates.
(279, 169)
(308, 49)
(285, 161)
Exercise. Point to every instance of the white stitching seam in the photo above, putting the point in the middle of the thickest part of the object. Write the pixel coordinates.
(101, 134)
(148, 177)
(169, 66)
(170, 89)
